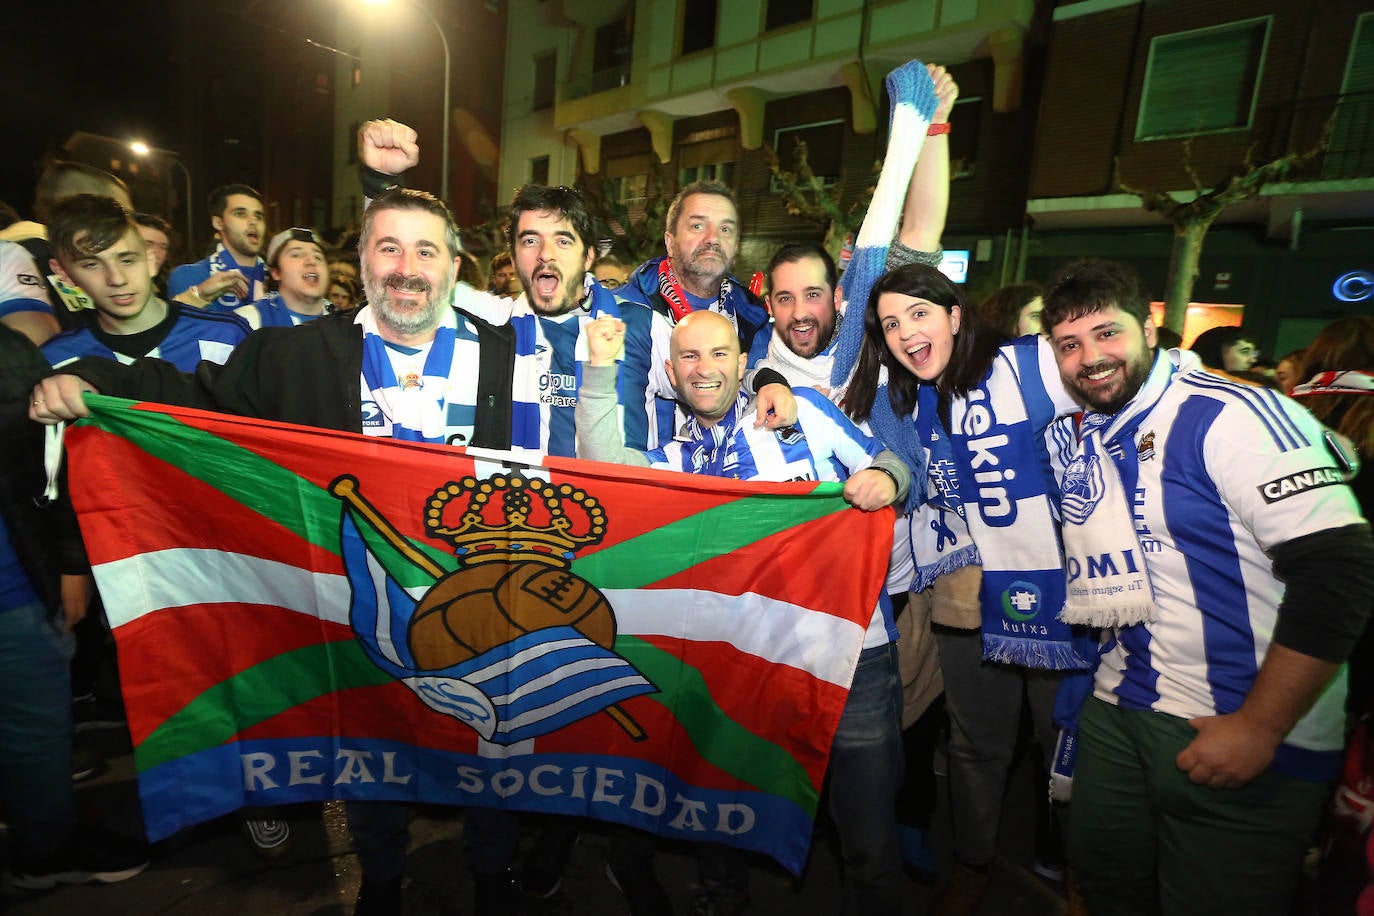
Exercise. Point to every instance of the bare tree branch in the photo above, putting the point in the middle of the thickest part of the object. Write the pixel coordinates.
(805, 195)
(1191, 219)
(1188, 164)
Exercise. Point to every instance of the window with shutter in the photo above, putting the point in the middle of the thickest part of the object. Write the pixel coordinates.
(1202, 81)
(1350, 145)
(824, 149)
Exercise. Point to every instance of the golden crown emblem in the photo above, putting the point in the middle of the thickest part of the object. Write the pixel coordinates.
(511, 519)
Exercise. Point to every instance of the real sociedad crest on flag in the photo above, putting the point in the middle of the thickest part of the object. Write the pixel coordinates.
(512, 643)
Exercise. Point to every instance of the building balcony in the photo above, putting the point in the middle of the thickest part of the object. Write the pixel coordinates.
(745, 68)
(583, 85)
(1336, 184)
(1345, 122)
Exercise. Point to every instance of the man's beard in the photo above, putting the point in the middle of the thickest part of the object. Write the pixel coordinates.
(571, 298)
(819, 342)
(409, 322)
(1109, 402)
(703, 273)
(238, 241)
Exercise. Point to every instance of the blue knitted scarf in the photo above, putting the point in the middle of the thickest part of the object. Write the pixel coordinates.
(912, 93)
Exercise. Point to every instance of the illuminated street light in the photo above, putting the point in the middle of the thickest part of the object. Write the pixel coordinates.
(141, 149)
(443, 165)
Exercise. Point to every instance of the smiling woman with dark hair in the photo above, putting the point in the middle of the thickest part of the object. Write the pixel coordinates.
(976, 415)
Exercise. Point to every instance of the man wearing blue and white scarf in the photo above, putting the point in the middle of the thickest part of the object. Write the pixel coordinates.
(1207, 529)
(233, 274)
(552, 245)
(406, 366)
(707, 367)
(702, 238)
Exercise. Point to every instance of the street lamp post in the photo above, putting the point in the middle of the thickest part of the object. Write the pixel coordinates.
(448, 62)
(142, 149)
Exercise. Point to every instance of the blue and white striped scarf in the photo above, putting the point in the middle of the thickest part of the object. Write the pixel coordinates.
(1108, 582)
(220, 260)
(998, 470)
(421, 394)
(715, 450)
(913, 104)
(549, 356)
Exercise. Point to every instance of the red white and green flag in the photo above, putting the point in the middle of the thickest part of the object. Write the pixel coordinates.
(304, 615)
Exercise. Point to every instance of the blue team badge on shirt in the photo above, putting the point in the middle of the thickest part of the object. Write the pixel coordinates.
(1083, 488)
(1021, 601)
(372, 415)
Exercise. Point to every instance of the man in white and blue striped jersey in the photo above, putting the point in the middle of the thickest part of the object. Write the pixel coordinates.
(706, 367)
(1215, 723)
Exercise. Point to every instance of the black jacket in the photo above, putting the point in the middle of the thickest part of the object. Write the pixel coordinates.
(308, 374)
(45, 538)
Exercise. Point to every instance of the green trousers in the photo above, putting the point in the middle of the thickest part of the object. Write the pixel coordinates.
(1144, 839)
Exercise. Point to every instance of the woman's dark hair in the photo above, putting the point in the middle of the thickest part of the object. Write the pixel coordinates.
(975, 345)
(1002, 310)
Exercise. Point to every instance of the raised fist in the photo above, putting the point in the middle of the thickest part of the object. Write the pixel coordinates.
(946, 90)
(388, 147)
(605, 340)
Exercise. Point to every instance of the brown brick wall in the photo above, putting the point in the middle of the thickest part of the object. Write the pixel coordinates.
(1096, 72)
(993, 197)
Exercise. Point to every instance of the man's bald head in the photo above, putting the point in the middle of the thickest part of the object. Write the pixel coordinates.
(699, 322)
(706, 365)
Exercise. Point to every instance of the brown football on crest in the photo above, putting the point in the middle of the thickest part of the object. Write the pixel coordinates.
(475, 609)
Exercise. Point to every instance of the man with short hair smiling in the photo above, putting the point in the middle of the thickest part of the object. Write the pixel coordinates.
(1208, 531)
(97, 247)
(406, 366)
(702, 240)
(297, 264)
(706, 368)
(232, 274)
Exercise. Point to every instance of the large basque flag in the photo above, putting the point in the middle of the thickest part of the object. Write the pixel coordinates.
(304, 615)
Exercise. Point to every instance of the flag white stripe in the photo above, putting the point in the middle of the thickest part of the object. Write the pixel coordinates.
(163, 579)
(782, 633)
(778, 631)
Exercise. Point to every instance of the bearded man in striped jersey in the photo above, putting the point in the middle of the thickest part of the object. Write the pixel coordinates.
(1231, 571)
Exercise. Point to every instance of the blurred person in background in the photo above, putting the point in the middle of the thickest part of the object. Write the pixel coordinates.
(1230, 349)
(1015, 310)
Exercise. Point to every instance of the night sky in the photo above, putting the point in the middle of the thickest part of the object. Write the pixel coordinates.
(106, 70)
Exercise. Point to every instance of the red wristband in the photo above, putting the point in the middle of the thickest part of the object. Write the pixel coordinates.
(935, 130)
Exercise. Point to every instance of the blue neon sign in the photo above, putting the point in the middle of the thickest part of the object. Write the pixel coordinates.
(1356, 286)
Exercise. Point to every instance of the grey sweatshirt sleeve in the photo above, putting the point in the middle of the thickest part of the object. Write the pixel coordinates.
(899, 254)
(599, 433)
(891, 462)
